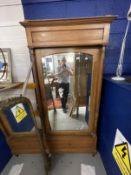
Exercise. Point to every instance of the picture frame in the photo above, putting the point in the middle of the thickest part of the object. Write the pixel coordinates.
(5, 66)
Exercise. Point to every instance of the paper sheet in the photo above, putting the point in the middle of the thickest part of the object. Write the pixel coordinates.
(16, 169)
(87, 170)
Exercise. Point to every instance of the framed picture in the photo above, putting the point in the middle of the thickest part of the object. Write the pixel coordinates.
(5, 65)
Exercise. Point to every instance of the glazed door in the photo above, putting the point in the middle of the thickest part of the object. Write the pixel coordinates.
(82, 93)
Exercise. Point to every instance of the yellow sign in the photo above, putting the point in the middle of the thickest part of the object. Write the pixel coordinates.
(121, 155)
(19, 112)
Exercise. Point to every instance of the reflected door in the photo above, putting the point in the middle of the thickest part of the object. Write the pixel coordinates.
(66, 78)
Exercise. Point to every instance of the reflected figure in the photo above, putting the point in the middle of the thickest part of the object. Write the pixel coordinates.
(63, 74)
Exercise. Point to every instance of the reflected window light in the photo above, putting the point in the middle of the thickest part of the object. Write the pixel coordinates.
(86, 58)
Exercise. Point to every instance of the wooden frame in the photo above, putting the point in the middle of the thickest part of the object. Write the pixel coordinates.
(7, 129)
(88, 35)
(95, 52)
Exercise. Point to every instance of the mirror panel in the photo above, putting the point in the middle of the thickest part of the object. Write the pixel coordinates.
(67, 83)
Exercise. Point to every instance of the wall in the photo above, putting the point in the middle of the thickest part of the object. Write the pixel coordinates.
(47, 9)
(12, 35)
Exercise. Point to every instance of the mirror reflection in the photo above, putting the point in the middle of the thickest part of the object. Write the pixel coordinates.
(67, 83)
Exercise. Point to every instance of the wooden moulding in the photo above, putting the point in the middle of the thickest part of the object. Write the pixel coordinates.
(68, 32)
(62, 22)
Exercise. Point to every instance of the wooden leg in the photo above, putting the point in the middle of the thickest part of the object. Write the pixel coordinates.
(77, 111)
(94, 154)
(71, 112)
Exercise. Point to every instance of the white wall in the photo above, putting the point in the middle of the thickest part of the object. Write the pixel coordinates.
(12, 35)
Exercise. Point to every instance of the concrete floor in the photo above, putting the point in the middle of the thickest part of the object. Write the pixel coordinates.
(62, 164)
(62, 121)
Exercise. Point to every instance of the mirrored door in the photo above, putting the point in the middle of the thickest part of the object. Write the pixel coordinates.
(66, 78)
